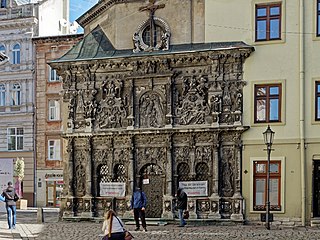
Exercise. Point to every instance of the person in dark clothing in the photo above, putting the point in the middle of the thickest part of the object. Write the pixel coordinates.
(182, 201)
(138, 204)
(10, 198)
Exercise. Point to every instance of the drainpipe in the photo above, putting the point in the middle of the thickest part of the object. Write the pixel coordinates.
(302, 114)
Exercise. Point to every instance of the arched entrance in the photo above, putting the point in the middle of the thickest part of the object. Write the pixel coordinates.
(151, 183)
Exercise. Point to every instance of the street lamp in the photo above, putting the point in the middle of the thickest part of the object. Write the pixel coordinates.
(268, 140)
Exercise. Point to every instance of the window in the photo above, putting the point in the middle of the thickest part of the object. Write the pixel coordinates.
(53, 76)
(54, 150)
(3, 3)
(16, 95)
(15, 139)
(267, 103)
(16, 54)
(268, 22)
(318, 18)
(156, 36)
(2, 49)
(260, 185)
(54, 110)
(2, 95)
(317, 101)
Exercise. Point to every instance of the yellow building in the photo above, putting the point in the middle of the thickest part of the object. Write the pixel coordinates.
(283, 92)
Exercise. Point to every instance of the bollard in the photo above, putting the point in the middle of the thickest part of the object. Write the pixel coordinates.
(40, 216)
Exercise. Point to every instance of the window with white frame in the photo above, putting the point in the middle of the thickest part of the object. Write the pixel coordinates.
(16, 54)
(2, 95)
(54, 150)
(15, 139)
(54, 110)
(2, 49)
(16, 94)
(53, 76)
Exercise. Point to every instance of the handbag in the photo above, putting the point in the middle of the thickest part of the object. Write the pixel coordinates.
(127, 234)
(105, 237)
(186, 214)
(15, 198)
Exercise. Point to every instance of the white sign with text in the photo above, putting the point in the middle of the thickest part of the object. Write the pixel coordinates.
(112, 189)
(6, 175)
(195, 188)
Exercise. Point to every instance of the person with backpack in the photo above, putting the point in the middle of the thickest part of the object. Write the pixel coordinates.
(182, 202)
(10, 198)
(138, 204)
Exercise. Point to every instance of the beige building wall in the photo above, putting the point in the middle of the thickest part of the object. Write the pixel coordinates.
(47, 49)
(276, 62)
(120, 23)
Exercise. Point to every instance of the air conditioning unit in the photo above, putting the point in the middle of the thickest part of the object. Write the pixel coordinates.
(63, 22)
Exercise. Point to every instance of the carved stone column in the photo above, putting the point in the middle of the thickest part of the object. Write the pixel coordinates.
(214, 212)
(169, 92)
(69, 200)
(168, 198)
(131, 178)
(87, 199)
(237, 201)
(131, 114)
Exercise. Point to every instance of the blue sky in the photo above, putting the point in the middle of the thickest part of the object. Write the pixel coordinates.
(79, 7)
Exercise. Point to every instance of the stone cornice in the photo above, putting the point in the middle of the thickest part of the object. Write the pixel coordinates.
(18, 23)
(99, 9)
(57, 39)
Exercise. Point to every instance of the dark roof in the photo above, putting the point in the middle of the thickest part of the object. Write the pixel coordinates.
(96, 45)
(3, 57)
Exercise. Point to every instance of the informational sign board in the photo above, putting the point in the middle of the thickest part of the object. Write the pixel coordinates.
(6, 175)
(112, 189)
(195, 188)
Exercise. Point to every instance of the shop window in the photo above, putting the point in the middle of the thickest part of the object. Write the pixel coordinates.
(268, 22)
(267, 103)
(260, 185)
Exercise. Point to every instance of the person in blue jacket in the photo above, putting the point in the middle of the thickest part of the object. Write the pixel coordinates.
(138, 204)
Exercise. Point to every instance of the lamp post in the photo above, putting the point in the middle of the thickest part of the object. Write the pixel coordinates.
(268, 140)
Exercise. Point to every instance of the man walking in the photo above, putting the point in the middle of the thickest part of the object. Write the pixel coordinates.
(138, 204)
(182, 200)
(10, 199)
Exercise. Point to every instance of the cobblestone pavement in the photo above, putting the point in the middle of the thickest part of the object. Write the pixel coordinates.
(87, 230)
(52, 229)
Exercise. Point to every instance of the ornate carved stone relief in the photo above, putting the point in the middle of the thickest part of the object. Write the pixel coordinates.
(151, 110)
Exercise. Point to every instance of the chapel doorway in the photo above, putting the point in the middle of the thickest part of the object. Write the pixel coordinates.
(152, 185)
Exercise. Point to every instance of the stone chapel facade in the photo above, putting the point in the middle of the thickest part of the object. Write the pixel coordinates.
(155, 114)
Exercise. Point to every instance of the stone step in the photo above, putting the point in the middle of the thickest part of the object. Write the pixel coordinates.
(315, 222)
(149, 223)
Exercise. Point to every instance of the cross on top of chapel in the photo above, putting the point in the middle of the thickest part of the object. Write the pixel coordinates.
(152, 7)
